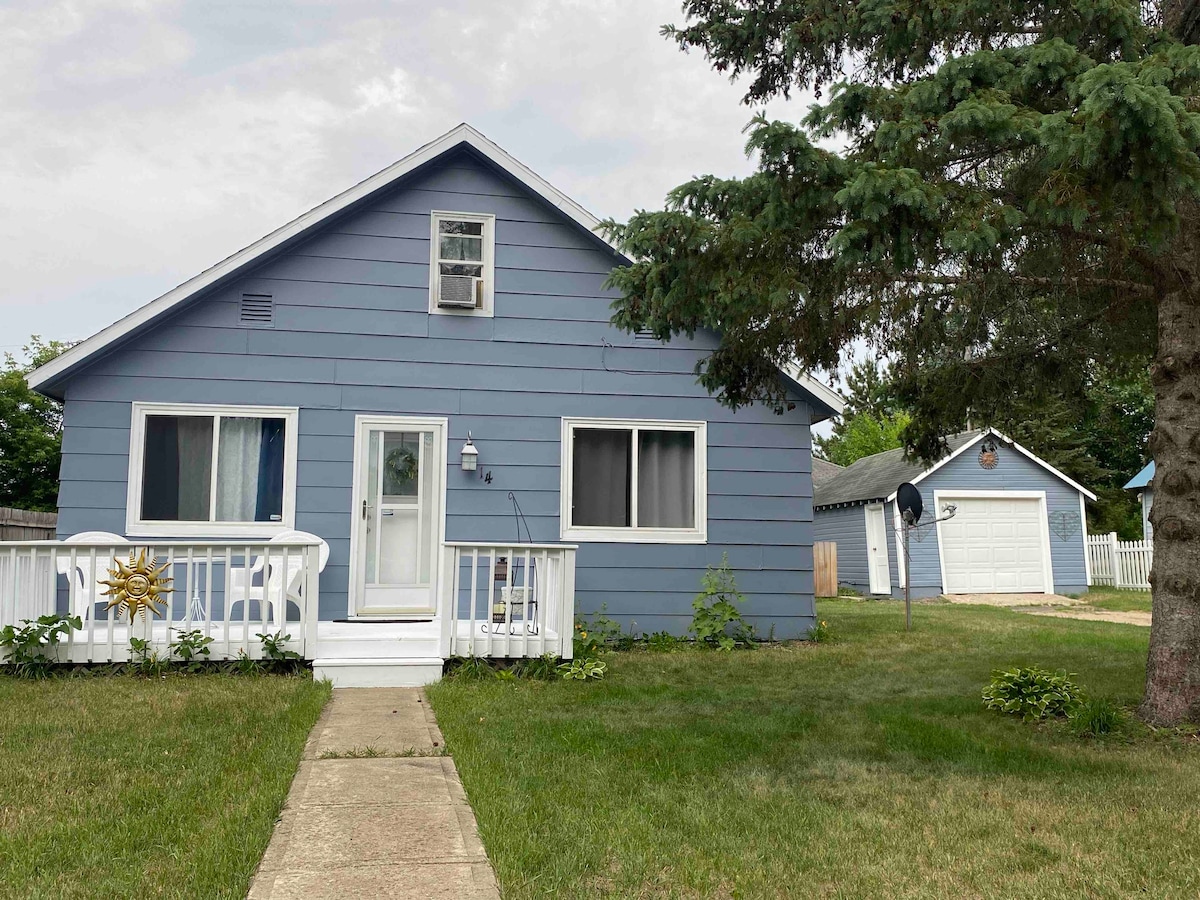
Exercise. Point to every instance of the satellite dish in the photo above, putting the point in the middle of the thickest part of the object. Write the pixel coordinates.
(908, 498)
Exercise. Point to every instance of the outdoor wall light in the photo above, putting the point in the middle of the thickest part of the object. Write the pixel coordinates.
(470, 456)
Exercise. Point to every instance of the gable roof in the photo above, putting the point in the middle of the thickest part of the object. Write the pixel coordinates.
(1142, 479)
(46, 378)
(876, 477)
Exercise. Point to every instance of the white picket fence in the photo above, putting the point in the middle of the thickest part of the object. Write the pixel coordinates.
(1120, 564)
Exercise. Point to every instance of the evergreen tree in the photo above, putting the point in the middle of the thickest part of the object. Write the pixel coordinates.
(1017, 201)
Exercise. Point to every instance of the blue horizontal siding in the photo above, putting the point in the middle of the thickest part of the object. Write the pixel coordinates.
(353, 335)
(847, 528)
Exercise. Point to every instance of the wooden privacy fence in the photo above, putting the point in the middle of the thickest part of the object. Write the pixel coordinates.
(26, 525)
(1120, 564)
(825, 579)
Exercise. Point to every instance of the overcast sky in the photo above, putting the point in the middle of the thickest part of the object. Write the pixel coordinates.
(144, 140)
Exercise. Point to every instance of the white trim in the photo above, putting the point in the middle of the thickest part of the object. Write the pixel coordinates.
(136, 527)
(992, 431)
(361, 422)
(634, 534)
(822, 392)
(1087, 557)
(898, 540)
(868, 510)
(951, 494)
(461, 134)
(488, 221)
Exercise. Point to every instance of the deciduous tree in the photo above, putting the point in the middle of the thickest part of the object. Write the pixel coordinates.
(30, 432)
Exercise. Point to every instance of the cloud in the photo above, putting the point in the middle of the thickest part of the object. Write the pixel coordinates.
(145, 140)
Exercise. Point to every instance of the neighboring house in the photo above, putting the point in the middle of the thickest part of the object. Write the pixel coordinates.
(1018, 528)
(326, 377)
(1143, 482)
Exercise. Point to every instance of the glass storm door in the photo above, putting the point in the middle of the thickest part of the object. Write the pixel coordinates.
(399, 490)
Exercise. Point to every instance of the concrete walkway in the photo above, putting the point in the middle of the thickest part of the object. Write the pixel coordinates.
(396, 826)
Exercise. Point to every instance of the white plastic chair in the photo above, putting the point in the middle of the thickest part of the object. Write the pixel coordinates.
(89, 593)
(282, 583)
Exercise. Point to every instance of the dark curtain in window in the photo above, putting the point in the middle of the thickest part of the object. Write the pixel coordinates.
(600, 477)
(269, 507)
(160, 469)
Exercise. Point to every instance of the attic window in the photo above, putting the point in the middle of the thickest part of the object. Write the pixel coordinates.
(461, 269)
(257, 309)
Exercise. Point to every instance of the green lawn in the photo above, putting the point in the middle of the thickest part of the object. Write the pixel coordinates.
(1118, 601)
(866, 767)
(130, 787)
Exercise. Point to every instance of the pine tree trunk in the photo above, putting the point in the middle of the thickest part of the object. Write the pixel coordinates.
(1173, 668)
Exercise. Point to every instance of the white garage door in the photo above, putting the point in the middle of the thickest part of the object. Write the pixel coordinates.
(994, 546)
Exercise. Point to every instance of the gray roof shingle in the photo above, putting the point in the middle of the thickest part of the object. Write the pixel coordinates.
(823, 470)
(876, 477)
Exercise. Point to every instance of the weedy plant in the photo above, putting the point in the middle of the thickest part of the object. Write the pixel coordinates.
(1032, 693)
(541, 668)
(144, 660)
(245, 665)
(662, 642)
(190, 648)
(277, 656)
(470, 668)
(716, 620)
(583, 669)
(598, 633)
(29, 646)
(820, 633)
(1096, 716)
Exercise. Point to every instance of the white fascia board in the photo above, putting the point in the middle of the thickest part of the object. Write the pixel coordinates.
(825, 394)
(463, 134)
(992, 431)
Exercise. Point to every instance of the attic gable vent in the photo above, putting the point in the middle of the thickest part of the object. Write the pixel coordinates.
(257, 309)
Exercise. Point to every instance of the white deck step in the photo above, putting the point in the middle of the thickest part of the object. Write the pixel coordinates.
(379, 672)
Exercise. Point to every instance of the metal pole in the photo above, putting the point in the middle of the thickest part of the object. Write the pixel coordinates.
(907, 579)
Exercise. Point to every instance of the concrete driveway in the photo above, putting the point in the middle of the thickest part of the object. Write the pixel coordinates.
(1053, 605)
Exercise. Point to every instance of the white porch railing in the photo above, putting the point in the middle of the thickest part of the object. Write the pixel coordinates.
(1120, 564)
(509, 600)
(230, 591)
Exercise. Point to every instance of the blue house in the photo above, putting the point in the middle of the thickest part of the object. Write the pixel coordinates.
(1018, 524)
(414, 390)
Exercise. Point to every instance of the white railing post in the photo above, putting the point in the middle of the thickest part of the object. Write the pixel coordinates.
(566, 619)
(310, 609)
(449, 587)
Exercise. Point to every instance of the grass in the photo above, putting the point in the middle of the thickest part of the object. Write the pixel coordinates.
(1117, 601)
(130, 787)
(864, 767)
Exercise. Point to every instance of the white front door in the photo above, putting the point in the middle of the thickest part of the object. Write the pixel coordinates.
(398, 494)
(994, 545)
(879, 572)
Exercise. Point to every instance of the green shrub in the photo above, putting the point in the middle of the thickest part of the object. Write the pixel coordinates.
(1032, 693)
(716, 620)
(583, 669)
(28, 644)
(1096, 716)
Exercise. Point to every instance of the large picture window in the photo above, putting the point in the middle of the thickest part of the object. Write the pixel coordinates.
(642, 481)
(220, 471)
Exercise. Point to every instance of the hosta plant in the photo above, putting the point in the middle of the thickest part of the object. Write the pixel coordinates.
(1032, 693)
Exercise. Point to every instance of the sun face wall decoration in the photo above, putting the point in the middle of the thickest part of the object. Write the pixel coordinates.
(137, 586)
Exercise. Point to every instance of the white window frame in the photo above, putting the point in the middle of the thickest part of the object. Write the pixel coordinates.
(135, 526)
(489, 262)
(633, 534)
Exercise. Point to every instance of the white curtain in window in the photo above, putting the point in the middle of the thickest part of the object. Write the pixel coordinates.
(237, 469)
(666, 479)
(195, 467)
